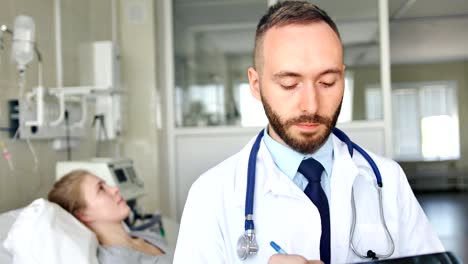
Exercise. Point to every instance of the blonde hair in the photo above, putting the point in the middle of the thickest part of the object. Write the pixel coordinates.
(66, 192)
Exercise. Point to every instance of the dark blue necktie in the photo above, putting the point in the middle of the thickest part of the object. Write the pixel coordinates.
(312, 170)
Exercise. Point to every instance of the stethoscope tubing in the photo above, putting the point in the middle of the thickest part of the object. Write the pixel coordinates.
(382, 220)
(249, 198)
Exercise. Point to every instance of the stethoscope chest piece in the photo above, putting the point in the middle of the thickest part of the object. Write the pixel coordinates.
(247, 245)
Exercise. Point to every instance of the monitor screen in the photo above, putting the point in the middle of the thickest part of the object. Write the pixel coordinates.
(120, 174)
(131, 174)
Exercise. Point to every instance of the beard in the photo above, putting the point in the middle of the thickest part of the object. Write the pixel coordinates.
(305, 143)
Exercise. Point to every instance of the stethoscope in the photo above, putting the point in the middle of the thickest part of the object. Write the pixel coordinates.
(247, 244)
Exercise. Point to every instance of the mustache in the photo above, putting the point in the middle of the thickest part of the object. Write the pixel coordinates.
(308, 119)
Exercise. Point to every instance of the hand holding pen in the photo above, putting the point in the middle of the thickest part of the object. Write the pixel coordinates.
(284, 258)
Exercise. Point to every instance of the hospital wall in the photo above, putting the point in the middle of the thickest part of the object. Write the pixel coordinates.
(142, 115)
(424, 72)
(82, 22)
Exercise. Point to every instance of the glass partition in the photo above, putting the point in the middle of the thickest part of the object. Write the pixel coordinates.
(358, 23)
(429, 77)
(213, 50)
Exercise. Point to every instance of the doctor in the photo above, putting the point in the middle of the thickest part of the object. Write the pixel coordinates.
(299, 78)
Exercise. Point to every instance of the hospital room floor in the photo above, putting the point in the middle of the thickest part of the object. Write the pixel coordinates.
(448, 214)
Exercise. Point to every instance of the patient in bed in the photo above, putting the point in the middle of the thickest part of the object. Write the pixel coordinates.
(102, 209)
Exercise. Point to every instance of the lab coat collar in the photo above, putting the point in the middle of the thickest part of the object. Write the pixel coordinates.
(276, 181)
(270, 179)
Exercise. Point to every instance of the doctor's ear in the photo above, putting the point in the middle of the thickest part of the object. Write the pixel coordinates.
(254, 81)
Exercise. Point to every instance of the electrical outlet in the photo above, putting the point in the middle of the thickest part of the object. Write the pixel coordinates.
(13, 116)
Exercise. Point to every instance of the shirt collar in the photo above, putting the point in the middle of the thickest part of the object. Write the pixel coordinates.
(288, 160)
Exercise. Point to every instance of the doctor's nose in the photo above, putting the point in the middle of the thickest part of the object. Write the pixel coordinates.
(309, 100)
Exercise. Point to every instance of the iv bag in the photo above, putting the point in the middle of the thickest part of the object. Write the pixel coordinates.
(23, 41)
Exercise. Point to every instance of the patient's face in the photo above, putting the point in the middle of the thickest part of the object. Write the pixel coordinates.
(103, 203)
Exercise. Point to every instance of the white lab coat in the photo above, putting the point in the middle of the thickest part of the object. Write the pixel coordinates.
(213, 217)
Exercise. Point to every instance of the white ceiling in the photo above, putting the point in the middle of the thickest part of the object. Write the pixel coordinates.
(420, 30)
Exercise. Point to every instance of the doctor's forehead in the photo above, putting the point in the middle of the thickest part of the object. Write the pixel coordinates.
(314, 34)
(297, 48)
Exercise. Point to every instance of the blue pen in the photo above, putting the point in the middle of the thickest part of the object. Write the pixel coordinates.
(277, 248)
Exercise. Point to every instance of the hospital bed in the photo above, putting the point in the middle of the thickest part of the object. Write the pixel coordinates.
(7, 220)
(46, 231)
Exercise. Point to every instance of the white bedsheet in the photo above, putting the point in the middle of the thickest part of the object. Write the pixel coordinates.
(8, 218)
(6, 221)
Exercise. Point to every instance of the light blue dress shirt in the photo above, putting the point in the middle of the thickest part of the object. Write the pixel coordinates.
(288, 161)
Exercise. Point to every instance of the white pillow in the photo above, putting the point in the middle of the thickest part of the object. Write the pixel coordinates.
(46, 233)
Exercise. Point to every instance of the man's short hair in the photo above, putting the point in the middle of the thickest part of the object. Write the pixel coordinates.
(287, 13)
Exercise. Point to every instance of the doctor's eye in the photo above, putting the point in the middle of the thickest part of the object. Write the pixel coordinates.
(327, 84)
(288, 87)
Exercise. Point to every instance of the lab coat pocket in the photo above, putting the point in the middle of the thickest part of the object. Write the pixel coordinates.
(370, 236)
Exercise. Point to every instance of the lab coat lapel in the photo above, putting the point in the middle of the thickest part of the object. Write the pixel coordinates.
(275, 181)
(269, 178)
(343, 175)
(240, 180)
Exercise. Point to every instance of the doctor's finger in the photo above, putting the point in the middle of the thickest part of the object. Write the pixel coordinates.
(291, 259)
